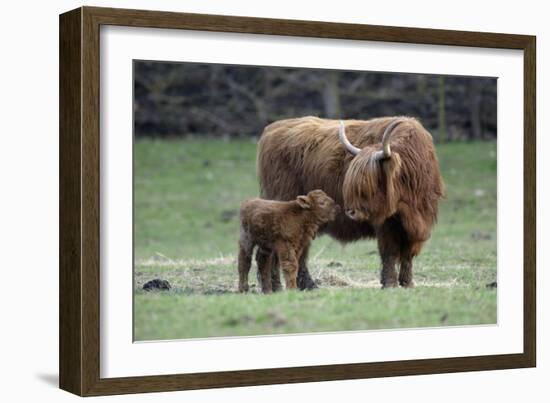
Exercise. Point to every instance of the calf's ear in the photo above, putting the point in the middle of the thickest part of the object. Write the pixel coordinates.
(304, 202)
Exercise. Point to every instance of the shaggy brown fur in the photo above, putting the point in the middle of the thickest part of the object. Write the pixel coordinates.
(282, 228)
(394, 199)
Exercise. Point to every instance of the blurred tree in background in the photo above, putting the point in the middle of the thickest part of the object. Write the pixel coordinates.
(181, 99)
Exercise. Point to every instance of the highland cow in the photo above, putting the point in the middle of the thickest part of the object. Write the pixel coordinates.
(384, 172)
(282, 228)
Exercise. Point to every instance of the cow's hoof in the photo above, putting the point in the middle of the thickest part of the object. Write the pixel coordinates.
(311, 286)
(305, 282)
(406, 284)
(307, 285)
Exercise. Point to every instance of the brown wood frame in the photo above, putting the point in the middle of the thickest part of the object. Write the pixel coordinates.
(79, 201)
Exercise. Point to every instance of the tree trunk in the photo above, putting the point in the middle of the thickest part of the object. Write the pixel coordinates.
(475, 111)
(331, 95)
(442, 124)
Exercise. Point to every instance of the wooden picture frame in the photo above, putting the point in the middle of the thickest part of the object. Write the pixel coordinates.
(79, 201)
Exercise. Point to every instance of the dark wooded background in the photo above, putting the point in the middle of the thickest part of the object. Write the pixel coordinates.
(182, 99)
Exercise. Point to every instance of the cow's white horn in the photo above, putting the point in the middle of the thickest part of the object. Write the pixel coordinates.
(344, 140)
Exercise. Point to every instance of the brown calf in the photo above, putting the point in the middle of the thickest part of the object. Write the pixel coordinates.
(282, 229)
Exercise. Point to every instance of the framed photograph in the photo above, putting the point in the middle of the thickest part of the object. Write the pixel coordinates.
(248, 201)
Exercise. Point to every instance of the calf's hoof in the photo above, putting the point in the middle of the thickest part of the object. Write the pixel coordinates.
(389, 284)
(243, 288)
(267, 291)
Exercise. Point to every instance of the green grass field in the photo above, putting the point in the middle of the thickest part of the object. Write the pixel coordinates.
(187, 194)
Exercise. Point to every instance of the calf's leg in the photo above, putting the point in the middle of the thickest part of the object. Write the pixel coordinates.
(289, 265)
(244, 262)
(304, 280)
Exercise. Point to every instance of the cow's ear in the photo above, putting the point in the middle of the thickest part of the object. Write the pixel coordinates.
(304, 202)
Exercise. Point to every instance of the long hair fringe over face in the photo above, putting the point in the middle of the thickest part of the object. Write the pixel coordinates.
(369, 187)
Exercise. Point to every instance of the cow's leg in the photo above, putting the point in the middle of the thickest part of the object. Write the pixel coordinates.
(305, 282)
(389, 239)
(245, 258)
(275, 275)
(289, 265)
(408, 251)
(264, 262)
